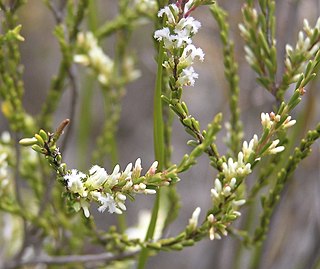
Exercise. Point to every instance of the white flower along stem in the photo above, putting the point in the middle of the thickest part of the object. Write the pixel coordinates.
(110, 191)
(176, 37)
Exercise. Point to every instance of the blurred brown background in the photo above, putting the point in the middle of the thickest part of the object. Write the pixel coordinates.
(294, 239)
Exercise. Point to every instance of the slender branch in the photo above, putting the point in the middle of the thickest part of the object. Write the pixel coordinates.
(73, 103)
(56, 12)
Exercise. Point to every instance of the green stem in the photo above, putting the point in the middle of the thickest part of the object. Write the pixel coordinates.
(159, 152)
(85, 122)
(92, 16)
(86, 104)
(256, 257)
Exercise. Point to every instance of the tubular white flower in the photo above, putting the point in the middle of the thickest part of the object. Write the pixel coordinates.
(288, 122)
(189, 54)
(127, 172)
(189, 24)
(113, 179)
(240, 158)
(107, 201)
(75, 182)
(193, 221)
(233, 182)
(265, 120)
(180, 39)
(289, 49)
(217, 236)
(276, 150)
(121, 205)
(149, 191)
(152, 170)
(214, 194)
(97, 176)
(136, 169)
(239, 202)
(121, 196)
(85, 207)
(162, 34)
(218, 185)
(187, 77)
(211, 233)
(171, 11)
(227, 191)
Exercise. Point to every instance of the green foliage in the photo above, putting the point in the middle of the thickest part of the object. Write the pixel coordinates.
(43, 196)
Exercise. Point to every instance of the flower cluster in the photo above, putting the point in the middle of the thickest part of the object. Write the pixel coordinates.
(304, 44)
(111, 191)
(233, 172)
(176, 37)
(306, 47)
(91, 55)
(269, 121)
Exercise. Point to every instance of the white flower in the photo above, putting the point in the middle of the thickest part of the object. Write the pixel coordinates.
(273, 149)
(238, 202)
(85, 207)
(137, 169)
(288, 122)
(193, 221)
(289, 49)
(214, 194)
(227, 191)
(189, 54)
(266, 120)
(75, 182)
(181, 27)
(233, 169)
(113, 179)
(161, 34)
(121, 196)
(153, 168)
(190, 24)
(179, 39)
(233, 182)
(187, 77)
(171, 11)
(217, 185)
(107, 201)
(248, 148)
(127, 172)
(97, 176)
